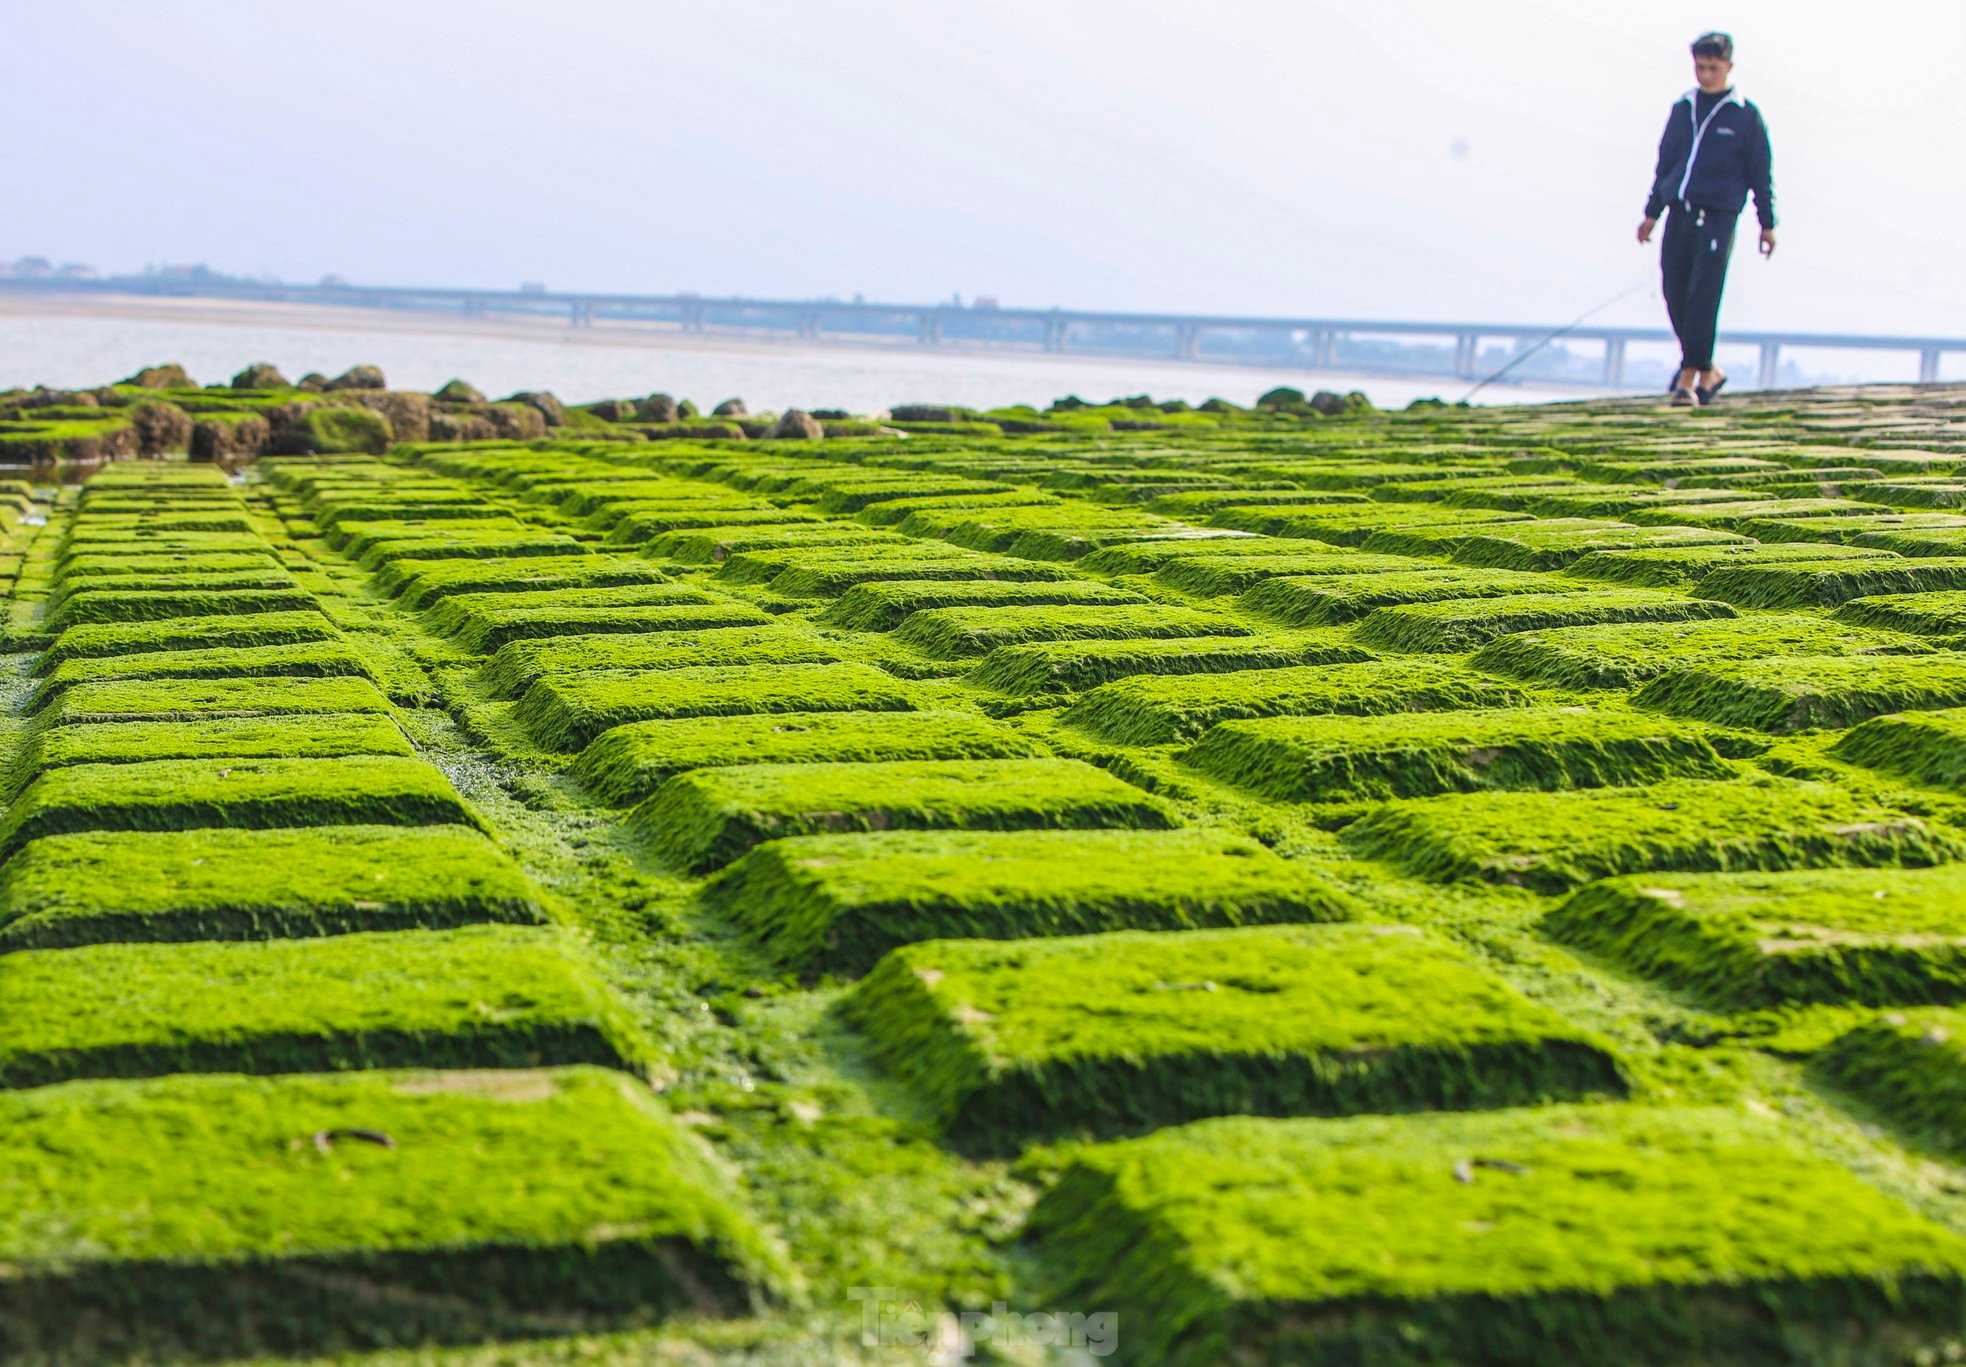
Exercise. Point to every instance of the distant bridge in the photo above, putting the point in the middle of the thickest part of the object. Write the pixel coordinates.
(1310, 343)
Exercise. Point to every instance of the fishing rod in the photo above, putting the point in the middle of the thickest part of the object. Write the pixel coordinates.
(1563, 331)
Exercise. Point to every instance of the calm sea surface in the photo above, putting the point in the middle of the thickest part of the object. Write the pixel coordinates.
(43, 343)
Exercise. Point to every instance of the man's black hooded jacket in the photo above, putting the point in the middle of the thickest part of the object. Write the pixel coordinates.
(1712, 162)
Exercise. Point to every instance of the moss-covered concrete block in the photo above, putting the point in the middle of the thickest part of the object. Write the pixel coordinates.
(836, 903)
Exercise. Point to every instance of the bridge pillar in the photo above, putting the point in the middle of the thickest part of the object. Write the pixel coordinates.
(1186, 341)
(1054, 334)
(474, 308)
(1614, 362)
(1466, 348)
(809, 324)
(931, 331)
(1324, 349)
(581, 314)
(1771, 366)
(1928, 365)
(692, 318)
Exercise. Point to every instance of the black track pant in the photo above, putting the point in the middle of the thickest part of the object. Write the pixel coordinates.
(1693, 260)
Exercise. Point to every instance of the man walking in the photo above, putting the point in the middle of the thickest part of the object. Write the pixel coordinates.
(1714, 151)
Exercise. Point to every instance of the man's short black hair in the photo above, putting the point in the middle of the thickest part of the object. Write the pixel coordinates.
(1714, 45)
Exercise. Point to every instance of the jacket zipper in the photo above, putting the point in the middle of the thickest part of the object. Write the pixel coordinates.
(1699, 132)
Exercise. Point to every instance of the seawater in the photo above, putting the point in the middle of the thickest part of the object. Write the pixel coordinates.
(43, 345)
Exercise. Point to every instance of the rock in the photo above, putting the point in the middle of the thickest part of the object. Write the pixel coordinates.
(313, 380)
(330, 429)
(1219, 406)
(260, 375)
(922, 412)
(1282, 397)
(62, 398)
(461, 427)
(161, 427)
(171, 376)
(1331, 405)
(657, 408)
(408, 413)
(612, 410)
(233, 437)
(797, 425)
(457, 391)
(515, 421)
(549, 407)
(730, 408)
(359, 377)
(685, 409)
(831, 414)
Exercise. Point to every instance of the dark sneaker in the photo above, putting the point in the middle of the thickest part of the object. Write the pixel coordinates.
(1706, 394)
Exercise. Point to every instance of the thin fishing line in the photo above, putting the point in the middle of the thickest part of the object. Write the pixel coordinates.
(1563, 331)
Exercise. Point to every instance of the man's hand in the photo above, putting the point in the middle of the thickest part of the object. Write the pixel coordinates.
(1645, 230)
(1767, 241)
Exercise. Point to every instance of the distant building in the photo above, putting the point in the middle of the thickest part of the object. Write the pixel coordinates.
(532, 287)
(985, 301)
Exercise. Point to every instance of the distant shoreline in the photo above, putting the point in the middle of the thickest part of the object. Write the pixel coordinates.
(643, 336)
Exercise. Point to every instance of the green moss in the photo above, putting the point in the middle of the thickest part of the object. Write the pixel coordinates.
(470, 545)
(1848, 529)
(1909, 1066)
(647, 525)
(487, 628)
(114, 605)
(763, 566)
(1677, 567)
(99, 887)
(209, 699)
(1210, 576)
(419, 585)
(957, 633)
(883, 607)
(710, 545)
(517, 666)
(838, 902)
(705, 818)
(1116, 1034)
(630, 762)
(1554, 544)
(1629, 655)
(264, 577)
(1329, 600)
(1149, 710)
(111, 567)
(1934, 541)
(311, 659)
(486, 996)
(315, 737)
(1551, 842)
(1938, 613)
(1825, 584)
(1615, 1235)
(1457, 625)
(1928, 747)
(1881, 937)
(1352, 526)
(567, 711)
(185, 794)
(105, 640)
(503, 1200)
(1146, 557)
(1368, 759)
(830, 578)
(1055, 667)
(1796, 694)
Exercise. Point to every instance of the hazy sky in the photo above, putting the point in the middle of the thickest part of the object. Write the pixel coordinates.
(1482, 159)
